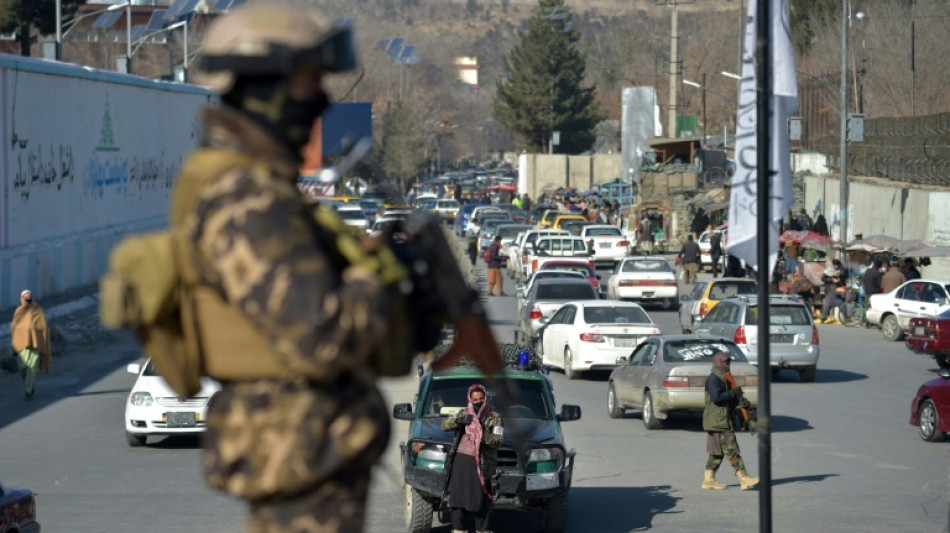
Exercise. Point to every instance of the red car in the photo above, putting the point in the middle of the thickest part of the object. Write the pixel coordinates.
(930, 410)
(18, 510)
(930, 336)
(584, 267)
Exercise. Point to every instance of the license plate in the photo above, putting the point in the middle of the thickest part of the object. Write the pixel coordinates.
(648, 294)
(625, 341)
(920, 331)
(547, 480)
(783, 338)
(605, 245)
(181, 419)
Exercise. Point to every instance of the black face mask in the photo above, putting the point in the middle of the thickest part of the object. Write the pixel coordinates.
(28, 300)
(290, 121)
(477, 406)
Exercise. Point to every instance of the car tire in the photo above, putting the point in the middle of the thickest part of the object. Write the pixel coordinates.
(418, 512)
(135, 441)
(927, 421)
(807, 374)
(569, 371)
(613, 403)
(650, 420)
(554, 515)
(891, 328)
(943, 361)
(668, 304)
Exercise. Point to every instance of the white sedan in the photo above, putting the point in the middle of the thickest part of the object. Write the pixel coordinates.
(645, 279)
(591, 335)
(154, 409)
(892, 311)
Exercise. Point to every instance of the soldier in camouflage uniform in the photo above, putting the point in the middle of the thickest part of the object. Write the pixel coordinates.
(473, 468)
(289, 329)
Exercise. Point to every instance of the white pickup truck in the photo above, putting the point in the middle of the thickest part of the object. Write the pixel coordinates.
(553, 247)
(520, 249)
(609, 246)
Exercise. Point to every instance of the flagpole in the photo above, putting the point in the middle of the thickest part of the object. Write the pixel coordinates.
(763, 89)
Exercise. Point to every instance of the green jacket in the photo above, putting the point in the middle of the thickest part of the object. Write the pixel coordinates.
(492, 437)
(720, 400)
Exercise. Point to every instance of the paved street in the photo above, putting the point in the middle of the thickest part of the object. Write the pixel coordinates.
(844, 457)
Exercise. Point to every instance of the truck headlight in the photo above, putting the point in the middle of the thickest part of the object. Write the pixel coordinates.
(141, 399)
(431, 456)
(544, 460)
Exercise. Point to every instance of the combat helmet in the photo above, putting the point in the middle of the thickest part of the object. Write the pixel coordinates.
(272, 40)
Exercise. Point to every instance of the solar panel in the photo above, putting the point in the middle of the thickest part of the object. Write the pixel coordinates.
(106, 20)
(174, 10)
(382, 44)
(406, 52)
(394, 47)
(236, 3)
(137, 31)
(188, 8)
(221, 5)
(157, 22)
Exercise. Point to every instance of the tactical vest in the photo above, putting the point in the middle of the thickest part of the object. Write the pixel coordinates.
(227, 345)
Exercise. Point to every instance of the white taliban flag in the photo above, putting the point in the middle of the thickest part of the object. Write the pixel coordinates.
(743, 214)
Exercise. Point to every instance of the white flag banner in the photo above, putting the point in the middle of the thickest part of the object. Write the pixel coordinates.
(743, 215)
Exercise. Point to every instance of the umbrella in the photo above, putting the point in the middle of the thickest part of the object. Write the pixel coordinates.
(503, 188)
(918, 248)
(808, 239)
(874, 243)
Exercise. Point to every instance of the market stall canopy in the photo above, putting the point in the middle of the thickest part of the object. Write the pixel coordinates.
(808, 239)
(918, 248)
(503, 188)
(874, 244)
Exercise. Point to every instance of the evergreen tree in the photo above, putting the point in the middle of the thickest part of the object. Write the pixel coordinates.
(401, 143)
(545, 91)
(25, 15)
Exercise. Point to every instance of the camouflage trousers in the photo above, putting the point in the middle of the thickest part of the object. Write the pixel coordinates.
(336, 506)
(725, 443)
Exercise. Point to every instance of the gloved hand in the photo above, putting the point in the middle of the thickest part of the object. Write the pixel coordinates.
(464, 420)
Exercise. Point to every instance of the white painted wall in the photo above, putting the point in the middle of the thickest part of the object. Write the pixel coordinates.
(882, 207)
(87, 157)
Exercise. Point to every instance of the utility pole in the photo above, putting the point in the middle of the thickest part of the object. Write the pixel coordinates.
(704, 110)
(674, 69)
(843, 200)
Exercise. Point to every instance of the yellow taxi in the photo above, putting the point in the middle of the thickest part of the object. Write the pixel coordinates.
(344, 199)
(706, 294)
(547, 219)
(564, 218)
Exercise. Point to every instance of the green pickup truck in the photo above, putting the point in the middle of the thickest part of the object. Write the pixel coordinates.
(537, 481)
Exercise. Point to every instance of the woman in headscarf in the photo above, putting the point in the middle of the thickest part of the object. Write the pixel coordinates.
(29, 335)
(470, 490)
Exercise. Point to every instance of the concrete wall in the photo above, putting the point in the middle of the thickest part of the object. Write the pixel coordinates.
(538, 173)
(882, 207)
(87, 157)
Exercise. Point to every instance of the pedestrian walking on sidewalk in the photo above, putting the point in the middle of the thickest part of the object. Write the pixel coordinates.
(495, 262)
(473, 463)
(689, 257)
(722, 397)
(29, 334)
(715, 253)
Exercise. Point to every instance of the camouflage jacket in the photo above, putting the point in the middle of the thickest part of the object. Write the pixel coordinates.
(492, 437)
(270, 438)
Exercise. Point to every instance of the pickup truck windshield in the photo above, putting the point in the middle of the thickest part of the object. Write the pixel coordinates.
(447, 396)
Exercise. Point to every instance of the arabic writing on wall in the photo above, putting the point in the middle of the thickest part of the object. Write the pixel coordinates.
(33, 171)
(49, 167)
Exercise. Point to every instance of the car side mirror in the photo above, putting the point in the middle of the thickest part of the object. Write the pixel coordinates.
(569, 412)
(519, 287)
(402, 411)
(133, 368)
(621, 361)
(519, 294)
(944, 373)
(544, 320)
